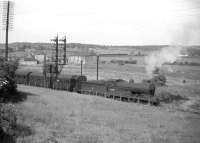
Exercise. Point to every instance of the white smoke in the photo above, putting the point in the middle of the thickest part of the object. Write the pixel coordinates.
(158, 58)
(186, 35)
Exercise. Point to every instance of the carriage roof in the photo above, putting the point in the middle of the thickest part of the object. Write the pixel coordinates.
(76, 77)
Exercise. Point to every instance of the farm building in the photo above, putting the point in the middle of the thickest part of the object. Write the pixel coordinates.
(76, 59)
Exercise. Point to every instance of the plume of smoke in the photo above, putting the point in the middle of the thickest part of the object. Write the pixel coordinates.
(158, 58)
(186, 35)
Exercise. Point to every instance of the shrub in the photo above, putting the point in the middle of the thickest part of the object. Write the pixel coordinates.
(122, 62)
(7, 84)
(131, 80)
(131, 62)
(156, 70)
(103, 62)
(8, 68)
(9, 128)
(168, 95)
(8, 89)
(8, 118)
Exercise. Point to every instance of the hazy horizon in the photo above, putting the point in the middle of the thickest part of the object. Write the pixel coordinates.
(118, 45)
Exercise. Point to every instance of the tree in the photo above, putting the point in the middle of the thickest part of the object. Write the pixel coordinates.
(8, 68)
(7, 82)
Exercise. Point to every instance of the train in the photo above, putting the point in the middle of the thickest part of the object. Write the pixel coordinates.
(116, 89)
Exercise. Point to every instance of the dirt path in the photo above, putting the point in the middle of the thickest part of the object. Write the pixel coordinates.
(59, 116)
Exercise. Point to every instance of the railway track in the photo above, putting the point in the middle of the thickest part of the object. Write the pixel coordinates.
(122, 98)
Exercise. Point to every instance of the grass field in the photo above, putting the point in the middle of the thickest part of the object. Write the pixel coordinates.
(129, 71)
(63, 117)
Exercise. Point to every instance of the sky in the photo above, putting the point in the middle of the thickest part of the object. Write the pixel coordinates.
(107, 22)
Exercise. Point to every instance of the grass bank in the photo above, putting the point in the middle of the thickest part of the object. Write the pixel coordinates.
(64, 117)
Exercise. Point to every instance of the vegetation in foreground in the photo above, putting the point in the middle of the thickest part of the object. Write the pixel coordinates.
(9, 128)
(60, 117)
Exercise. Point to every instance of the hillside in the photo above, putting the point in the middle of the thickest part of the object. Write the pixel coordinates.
(59, 116)
(21, 49)
(80, 45)
(46, 47)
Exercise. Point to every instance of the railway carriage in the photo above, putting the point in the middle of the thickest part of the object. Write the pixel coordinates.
(68, 82)
(62, 82)
(98, 88)
(78, 80)
(115, 88)
(36, 79)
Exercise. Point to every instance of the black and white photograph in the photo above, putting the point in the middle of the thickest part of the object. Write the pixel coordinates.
(99, 71)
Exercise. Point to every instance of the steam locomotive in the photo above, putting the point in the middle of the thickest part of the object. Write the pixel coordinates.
(115, 89)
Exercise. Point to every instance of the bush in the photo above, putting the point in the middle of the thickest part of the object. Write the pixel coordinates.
(156, 70)
(131, 80)
(9, 128)
(7, 73)
(122, 62)
(131, 62)
(168, 95)
(103, 62)
(8, 89)
(8, 118)
(8, 68)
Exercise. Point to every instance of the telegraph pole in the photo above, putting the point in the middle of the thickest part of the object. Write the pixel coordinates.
(7, 24)
(45, 69)
(56, 61)
(64, 40)
(8, 12)
(81, 67)
(97, 67)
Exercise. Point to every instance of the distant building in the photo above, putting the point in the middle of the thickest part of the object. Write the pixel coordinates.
(28, 61)
(39, 58)
(76, 59)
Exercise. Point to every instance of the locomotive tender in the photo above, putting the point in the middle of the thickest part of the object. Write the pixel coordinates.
(114, 89)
